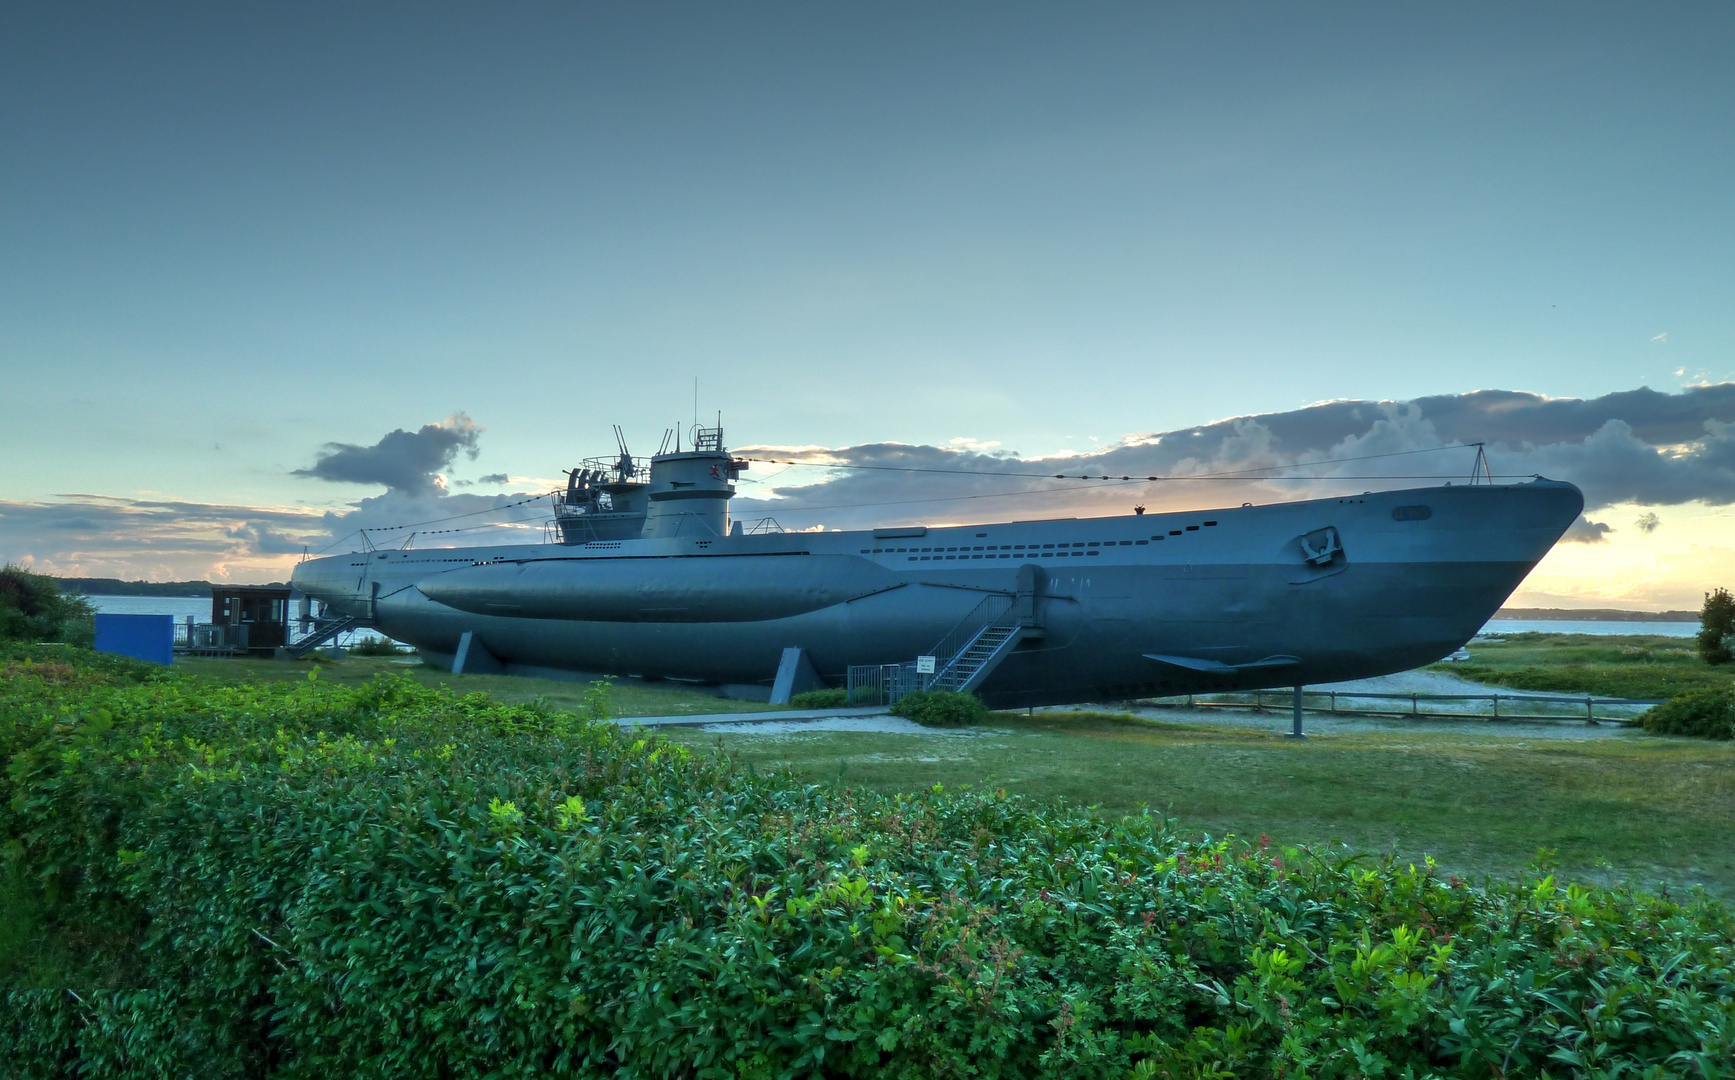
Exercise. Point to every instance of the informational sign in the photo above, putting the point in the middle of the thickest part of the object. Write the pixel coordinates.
(924, 665)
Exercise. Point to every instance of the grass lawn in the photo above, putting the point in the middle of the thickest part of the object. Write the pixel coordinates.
(1658, 811)
(1626, 665)
(629, 698)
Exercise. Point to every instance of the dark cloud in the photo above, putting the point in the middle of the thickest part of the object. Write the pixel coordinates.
(1647, 523)
(406, 461)
(1586, 531)
(1518, 419)
(494, 478)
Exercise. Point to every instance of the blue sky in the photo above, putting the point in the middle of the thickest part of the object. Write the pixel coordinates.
(229, 236)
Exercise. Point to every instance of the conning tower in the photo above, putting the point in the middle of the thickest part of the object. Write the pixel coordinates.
(689, 491)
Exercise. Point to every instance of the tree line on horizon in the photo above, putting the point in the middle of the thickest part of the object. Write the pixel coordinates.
(89, 586)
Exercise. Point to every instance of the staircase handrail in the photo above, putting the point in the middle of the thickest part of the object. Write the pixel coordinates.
(982, 616)
(323, 630)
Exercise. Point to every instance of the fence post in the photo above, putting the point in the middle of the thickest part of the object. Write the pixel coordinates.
(1295, 729)
(1496, 706)
(1589, 713)
(1412, 705)
(1334, 703)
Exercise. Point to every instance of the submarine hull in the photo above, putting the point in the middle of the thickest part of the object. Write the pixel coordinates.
(1339, 588)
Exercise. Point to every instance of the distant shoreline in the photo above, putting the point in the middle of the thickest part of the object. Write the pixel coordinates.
(117, 587)
(1594, 615)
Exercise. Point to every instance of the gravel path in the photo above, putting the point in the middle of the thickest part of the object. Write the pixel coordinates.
(881, 725)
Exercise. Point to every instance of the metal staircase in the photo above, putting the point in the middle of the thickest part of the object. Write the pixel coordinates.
(981, 654)
(323, 631)
(963, 659)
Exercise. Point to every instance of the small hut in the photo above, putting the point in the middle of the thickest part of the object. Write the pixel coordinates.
(262, 610)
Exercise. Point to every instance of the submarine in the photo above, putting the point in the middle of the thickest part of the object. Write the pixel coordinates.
(643, 573)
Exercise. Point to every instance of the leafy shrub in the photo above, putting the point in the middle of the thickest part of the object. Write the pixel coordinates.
(376, 646)
(941, 708)
(32, 608)
(834, 697)
(1706, 714)
(391, 880)
(1716, 627)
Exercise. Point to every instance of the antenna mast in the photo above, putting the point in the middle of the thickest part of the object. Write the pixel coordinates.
(1480, 472)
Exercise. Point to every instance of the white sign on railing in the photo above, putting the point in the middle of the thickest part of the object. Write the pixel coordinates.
(924, 665)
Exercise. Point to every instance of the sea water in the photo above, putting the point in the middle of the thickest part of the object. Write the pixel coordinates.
(199, 607)
(1497, 627)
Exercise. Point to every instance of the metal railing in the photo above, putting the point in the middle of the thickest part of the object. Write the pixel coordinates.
(980, 618)
(1328, 701)
(210, 639)
(607, 470)
(884, 684)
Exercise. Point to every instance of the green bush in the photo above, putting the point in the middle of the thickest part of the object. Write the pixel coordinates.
(1705, 714)
(390, 880)
(941, 708)
(32, 608)
(376, 646)
(1716, 627)
(834, 697)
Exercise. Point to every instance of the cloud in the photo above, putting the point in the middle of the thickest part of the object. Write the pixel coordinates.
(93, 535)
(494, 478)
(1639, 446)
(1586, 531)
(406, 461)
(1647, 523)
(104, 536)
(1662, 338)
(261, 538)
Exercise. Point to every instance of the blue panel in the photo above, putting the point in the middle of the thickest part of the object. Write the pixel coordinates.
(142, 637)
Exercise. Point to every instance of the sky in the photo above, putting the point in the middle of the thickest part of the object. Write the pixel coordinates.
(463, 241)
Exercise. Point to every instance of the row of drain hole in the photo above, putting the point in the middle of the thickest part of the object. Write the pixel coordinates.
(1032, 548)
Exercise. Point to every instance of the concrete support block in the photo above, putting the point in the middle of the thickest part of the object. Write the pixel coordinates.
(473, 658)
(795, 675)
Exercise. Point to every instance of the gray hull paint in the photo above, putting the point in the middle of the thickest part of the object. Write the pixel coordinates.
(1405, 590)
